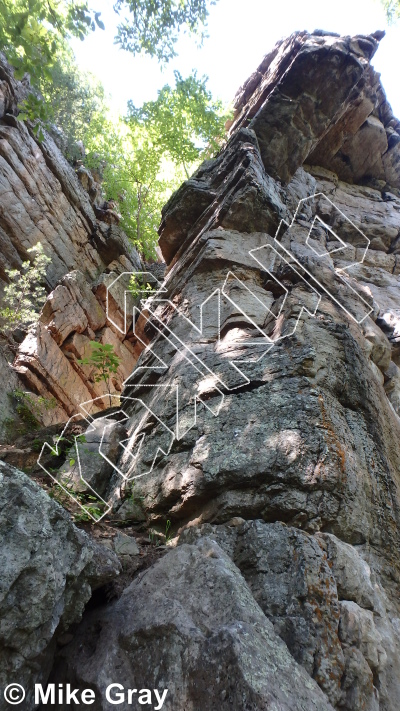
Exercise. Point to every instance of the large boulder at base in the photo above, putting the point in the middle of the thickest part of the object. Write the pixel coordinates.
(325, 601)
(190, 625)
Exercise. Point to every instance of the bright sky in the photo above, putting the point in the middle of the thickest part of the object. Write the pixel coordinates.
(240, 33)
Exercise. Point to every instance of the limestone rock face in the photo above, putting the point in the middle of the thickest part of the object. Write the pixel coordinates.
(264, 413)
(48, 572)
(43, 199)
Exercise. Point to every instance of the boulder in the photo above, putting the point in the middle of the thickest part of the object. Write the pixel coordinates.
(89, 464)
(49, 572)
(190, 625)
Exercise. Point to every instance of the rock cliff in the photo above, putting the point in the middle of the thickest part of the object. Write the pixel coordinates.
(262, 420)
(43, 199)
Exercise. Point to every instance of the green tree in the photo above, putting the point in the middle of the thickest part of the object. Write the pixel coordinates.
(34, 37)
(24, 296)
(153, 27)
(105, 363)
(139, 287)
(34, 33)
(143, 161)
(145, 158)
(134, 175)
(184, 122)
(392, 8)
(73, 99)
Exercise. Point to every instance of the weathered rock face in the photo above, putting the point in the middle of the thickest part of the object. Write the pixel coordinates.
(173, 630)
(290, 463)
(316, 97)
(263, 417)
(43, 199)
(324, 601)
(48, 572)
(72, 317)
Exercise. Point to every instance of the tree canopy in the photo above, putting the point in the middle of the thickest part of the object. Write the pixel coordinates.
(185, 122)
(33, 33)
(144, 156)
(153, 27)
(25, 294)
(392, 8)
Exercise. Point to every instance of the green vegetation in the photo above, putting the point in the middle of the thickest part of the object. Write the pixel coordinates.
(156, 538)
(167, 531)
(143, 157)
(146, 156)
(34, 34)
(185, 123)
(392, 8)
(153, 27)
(104, 362)
(130, 166)
(72, 100)
(29, 411)
(24, 296)
(91, 507)
(139, 287)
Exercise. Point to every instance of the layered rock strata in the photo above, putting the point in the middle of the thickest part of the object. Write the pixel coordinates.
(43, 199)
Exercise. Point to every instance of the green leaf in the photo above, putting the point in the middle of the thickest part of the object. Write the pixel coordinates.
(19, 72)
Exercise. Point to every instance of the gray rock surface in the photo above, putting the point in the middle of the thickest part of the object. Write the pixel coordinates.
(296, 365)
(11, 382)
(190, 625)
(323, 90)
(263, 415)
(42, 199)
(49, 570)
(325, 601)
(89, 464)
